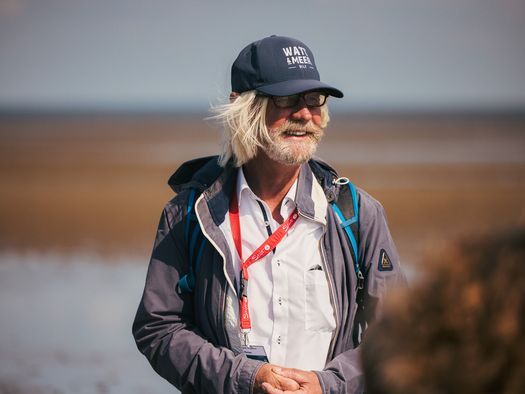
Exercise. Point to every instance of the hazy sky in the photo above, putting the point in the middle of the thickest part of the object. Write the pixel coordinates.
(156, 54)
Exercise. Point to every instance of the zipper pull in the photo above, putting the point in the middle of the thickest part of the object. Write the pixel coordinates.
(360, 280)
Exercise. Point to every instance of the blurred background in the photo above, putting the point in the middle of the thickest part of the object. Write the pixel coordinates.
(100, 101)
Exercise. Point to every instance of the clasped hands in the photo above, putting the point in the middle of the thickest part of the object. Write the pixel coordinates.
(272, 379)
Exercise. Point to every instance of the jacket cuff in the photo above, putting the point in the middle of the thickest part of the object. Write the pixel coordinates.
(333, 384)
(247, 375)
(329, 382)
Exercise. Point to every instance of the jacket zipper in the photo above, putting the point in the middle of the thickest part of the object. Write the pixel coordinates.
(229, 283)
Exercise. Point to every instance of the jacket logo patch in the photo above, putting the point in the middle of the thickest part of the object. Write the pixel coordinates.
(384, 262)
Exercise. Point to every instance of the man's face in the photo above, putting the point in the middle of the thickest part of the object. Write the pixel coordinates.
(295, 132)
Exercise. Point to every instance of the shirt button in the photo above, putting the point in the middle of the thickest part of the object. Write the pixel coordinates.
(280, 300)
(279, 340)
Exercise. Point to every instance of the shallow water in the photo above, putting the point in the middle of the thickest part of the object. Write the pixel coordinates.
(66, 326)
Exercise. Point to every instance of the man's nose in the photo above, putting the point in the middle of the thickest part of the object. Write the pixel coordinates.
(302, 112)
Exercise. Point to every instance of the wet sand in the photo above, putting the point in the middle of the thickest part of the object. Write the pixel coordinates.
(99, 183)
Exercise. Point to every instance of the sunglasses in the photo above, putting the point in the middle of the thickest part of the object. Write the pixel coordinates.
(311, 99)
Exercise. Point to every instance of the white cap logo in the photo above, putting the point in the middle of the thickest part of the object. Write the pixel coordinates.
(297, 57)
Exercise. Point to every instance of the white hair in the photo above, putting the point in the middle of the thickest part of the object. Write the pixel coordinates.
(245, 130)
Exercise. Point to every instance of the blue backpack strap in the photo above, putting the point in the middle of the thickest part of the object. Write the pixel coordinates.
(346, 208)
(195, 241)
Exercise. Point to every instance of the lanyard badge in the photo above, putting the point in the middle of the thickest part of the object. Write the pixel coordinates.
(271, 243)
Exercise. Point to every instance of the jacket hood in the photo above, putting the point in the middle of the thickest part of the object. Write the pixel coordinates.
(197, 173)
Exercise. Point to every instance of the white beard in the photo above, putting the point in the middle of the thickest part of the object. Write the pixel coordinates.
(289, 151)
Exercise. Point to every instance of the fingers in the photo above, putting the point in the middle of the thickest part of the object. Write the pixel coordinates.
(273, 380)
(286, 383)
(297, 375)
(308, 380)
(269, 389)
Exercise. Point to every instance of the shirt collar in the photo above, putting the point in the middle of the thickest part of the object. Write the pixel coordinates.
(288, 204)
(244, 189)
(311, 198)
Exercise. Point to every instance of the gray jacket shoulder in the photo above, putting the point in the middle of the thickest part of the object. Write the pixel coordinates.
(377, 249)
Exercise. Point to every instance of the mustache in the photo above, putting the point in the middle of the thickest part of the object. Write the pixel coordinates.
(309, 127)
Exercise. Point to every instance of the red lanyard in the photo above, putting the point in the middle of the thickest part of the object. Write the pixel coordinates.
(265, 248)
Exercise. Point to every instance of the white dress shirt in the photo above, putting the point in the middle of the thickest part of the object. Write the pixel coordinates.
(288, 292)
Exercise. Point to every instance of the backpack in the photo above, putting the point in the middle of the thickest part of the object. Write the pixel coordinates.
(346, 208)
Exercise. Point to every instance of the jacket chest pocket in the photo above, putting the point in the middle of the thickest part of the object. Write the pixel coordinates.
(319, 313)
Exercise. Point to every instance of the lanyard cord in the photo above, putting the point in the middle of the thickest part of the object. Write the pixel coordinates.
(266, 221)
(269, 244)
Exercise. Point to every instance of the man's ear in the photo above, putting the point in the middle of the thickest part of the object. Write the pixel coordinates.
(233, 96)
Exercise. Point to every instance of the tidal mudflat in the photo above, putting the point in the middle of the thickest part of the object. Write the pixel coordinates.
(81, 197)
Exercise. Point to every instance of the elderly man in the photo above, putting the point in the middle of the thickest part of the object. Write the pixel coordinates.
(254, 285)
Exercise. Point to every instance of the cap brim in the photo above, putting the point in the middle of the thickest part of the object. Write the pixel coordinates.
(295, 86)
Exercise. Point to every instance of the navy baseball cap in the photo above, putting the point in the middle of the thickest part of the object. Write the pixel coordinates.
(278, 66)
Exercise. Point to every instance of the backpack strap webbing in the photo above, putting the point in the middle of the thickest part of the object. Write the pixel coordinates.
(195, 241)
(346, 208)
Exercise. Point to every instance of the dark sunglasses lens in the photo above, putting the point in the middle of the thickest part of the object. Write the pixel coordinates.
(312, 99)
(286, 101)
(315, 99)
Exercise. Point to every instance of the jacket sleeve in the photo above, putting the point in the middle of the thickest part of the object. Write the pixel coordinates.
(379, 255)
(166, 334)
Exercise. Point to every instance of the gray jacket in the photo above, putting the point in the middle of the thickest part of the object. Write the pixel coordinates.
(193, 339)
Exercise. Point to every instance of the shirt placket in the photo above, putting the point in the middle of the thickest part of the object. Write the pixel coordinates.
(280, 308)
(280, 296)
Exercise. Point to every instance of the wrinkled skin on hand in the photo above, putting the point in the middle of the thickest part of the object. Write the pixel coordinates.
(266, 375)
(307, 382)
